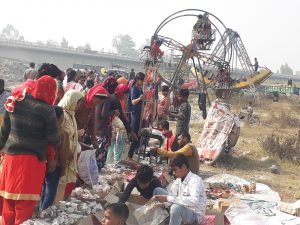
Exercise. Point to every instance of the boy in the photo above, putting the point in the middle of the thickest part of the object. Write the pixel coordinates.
(187, 195)
(164, 104)
(145, 183)
(184, 112)
(115, 214)
(171, 142)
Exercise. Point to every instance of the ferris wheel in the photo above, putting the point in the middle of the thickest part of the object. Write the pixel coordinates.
(211, 54)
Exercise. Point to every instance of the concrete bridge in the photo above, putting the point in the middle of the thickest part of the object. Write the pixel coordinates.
(65, 57)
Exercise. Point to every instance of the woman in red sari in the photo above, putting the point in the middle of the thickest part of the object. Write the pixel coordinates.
(29, 126)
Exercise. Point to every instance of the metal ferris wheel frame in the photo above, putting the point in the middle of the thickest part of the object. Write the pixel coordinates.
(187, 51)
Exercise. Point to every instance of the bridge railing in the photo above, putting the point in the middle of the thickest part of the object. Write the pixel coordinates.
(70, 49)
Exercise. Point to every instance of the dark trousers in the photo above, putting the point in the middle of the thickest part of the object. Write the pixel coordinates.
(135, 125)
(49, 188)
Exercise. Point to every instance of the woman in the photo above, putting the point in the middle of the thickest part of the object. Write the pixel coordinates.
(69, 104)
(85, 112)
(134, 103)
(29, 126)
(104, 114)
(71, 84)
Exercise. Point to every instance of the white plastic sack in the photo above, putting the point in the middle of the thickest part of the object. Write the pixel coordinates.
(87, 167)
(240, 212)
(150, 215)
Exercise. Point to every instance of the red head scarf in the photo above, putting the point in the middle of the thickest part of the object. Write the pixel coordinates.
(120, 89)
(96, 90)
(110, 84)
(45, 89)
(18, 94)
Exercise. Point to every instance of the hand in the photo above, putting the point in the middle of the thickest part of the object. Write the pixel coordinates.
(117, 112)
(51, 166)
(134, 136)
(141, 98)
(161, 198)
(81, 132)
(159, 205)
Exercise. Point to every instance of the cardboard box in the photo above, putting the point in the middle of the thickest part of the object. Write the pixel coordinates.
(133, 198)
(219, 216)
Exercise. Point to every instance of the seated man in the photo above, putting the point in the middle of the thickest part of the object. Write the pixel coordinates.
(187, 195)
(187, 149)
(115, 214)
(145, 183)
(171, 142)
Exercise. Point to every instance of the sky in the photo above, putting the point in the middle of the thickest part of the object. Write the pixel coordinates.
(270, 29)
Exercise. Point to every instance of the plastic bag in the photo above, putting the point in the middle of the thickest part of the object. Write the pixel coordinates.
(150, 215)
(238, 212)
(87, 167)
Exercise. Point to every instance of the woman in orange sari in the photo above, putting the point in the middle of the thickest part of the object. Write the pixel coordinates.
(29, 126)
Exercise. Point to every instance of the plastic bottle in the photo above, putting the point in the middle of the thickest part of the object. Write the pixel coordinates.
(252, 185)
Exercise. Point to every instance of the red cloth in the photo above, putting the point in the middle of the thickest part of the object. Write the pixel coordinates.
(155, 51)
(45, 89)
(22, 177)
(209, 220)
(50, 154)
(69, 188)
(18, 94)
(120, 89)
(96, 90)
(169, 142)
(17, 212)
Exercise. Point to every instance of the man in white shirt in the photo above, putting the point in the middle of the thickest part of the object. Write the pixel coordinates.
(187, 195)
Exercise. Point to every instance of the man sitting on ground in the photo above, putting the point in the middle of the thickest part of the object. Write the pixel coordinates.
(145, 183)
(115, 214)
(187, 149)
(187, 195)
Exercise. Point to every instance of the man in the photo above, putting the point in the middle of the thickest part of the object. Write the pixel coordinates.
(132, 74)
(187, 149)
(187, 194)
(30, 73)
(144, 182)
(164, 104)
(115, 214)
(255, 65)
(3, 96)
(184, 114)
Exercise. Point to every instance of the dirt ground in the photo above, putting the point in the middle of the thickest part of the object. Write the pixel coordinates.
(250, 159)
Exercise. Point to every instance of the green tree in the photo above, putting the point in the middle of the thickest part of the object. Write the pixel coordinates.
(124, 45)
(11, 33)
(286, 70)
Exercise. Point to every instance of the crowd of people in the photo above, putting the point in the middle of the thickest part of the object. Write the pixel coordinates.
(54, 115)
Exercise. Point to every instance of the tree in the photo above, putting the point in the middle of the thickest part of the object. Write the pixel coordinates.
(11, 33)
(124, 45)
(286, 70)
(87, 47)
(64, 43)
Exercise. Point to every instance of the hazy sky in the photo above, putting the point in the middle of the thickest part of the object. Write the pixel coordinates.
(270, 29)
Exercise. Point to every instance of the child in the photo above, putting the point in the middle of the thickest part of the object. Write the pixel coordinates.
(164, 104)
(184, 114)
(171, 143)
(117, 141)
(115, 214)
(62, 160)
